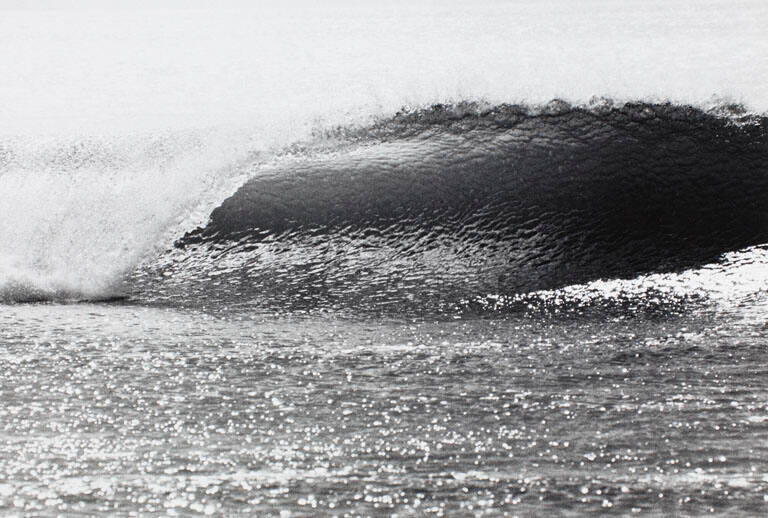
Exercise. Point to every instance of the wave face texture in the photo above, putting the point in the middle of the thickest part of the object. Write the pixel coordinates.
(436, 207)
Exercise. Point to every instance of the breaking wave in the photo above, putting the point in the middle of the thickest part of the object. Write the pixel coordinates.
(443, 206)
(435, 209)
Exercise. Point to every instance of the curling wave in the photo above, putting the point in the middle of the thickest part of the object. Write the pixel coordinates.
(436, 206)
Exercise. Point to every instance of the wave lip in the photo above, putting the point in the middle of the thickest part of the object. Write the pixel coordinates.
(436, 204)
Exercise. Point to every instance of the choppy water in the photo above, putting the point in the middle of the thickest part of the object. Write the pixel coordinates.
(123, 410)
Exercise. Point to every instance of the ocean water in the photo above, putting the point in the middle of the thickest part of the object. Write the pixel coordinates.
(505, 259)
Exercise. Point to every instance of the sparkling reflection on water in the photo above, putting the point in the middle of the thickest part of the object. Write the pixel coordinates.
(140, 411)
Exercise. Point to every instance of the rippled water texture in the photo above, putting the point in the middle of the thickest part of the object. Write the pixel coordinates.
(126, 410)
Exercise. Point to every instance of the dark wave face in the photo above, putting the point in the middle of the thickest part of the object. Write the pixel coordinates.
(439, 205)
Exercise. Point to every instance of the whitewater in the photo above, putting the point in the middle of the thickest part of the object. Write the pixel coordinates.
(414, 259)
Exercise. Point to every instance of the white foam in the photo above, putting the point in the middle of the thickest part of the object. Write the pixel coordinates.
(76, 216)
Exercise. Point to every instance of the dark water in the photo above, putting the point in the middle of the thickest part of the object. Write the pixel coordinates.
(434, 207)
(467, 310)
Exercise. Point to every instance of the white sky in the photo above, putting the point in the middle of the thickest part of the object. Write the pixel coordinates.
(282, 64)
